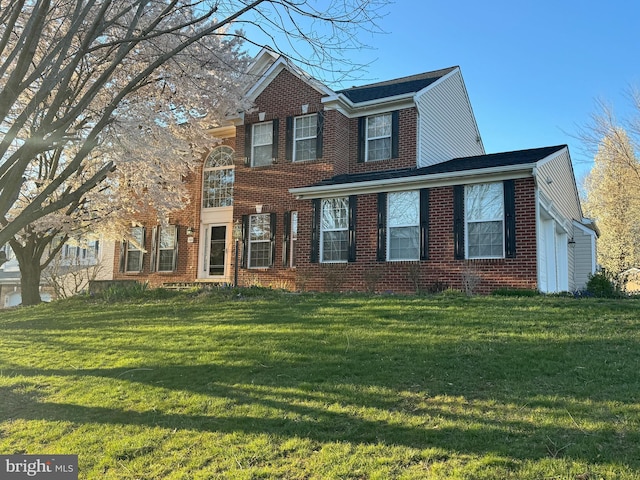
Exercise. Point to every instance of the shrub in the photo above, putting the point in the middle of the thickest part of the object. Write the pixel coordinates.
(603, 285)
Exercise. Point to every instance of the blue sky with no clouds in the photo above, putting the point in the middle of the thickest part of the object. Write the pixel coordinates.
(533, 69)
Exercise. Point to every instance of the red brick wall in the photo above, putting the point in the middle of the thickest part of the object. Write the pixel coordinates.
(407, 154)
(406, 277)
(187, 251)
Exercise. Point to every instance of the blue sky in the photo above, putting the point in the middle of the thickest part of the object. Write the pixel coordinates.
(533, 69)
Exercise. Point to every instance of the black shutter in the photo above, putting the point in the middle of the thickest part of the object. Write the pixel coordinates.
(395, 126)
(123, 255)
(247, 144)
(381, 253)
(509, 218)
(144, 243)
(288, 146)
(286, 238)
(424, 224)
(319, 135)
(362, 138)
(273, 220)
(154, 248)
(274, 144)
(315, 230)
(458, 222)
(245, 241)
(175, 248)
(353, 201)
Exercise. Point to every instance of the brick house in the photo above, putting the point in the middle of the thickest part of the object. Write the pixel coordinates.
(383, 187)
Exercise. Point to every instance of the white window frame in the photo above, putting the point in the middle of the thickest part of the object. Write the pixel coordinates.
(293, 238)
(172, 248)
(369, 139)
(254, 144)
(324, 229)
(223, 164)
(311, 152)
(485, 217)
(393, 223)
(260, 241)
(131, 248)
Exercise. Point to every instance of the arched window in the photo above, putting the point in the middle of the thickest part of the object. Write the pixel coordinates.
(217, 178)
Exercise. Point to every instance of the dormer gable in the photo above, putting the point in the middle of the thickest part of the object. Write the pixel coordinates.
(275, 64)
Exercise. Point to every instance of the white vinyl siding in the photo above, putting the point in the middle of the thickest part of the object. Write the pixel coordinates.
(557, 183)
(446, 125)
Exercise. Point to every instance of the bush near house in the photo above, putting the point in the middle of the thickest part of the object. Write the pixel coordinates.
(252, 383)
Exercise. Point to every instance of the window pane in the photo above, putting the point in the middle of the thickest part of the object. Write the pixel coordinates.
(262, 133)
(165, 260)
(404, 243)
(260, 254)
(335, 246)
(379, 126)
(484, 202)
(167, 237)
(306, 126)
(335, 214)
(305, 150)
(260, 227)
(218, 188)
(404, 209)
(220, 157)
(485, 239)
(133, 260)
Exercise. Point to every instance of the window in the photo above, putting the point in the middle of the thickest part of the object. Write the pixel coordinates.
(218, 178)
(134, 254)
(304, 138)
(262, 144)
(167, 248)
(290, 239)
(378, 137)
(294, 237)
(334, 230)
(484, 220)
(260, 241)
(403, 225)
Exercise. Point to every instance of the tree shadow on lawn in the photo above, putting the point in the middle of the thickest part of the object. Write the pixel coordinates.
(333, 412)
(517, 440)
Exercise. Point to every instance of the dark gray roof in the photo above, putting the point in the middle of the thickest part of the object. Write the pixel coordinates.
(391, 88)
(493, 160)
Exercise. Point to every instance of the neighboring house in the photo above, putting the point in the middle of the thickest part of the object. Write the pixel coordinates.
(96, 257)
(383, 187)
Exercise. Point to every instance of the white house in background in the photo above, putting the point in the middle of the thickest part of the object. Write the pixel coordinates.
(71, 256)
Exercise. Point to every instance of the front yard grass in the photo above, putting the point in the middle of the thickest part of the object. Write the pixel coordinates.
(257, 384)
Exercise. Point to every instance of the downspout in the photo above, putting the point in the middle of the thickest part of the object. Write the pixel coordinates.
(534, 173)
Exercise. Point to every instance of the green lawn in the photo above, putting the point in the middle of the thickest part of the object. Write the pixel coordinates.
(276, 385)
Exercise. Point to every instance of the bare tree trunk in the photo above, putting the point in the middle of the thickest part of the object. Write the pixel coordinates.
(30, 281)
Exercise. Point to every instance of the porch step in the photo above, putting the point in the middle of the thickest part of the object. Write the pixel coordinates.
(192, 285)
